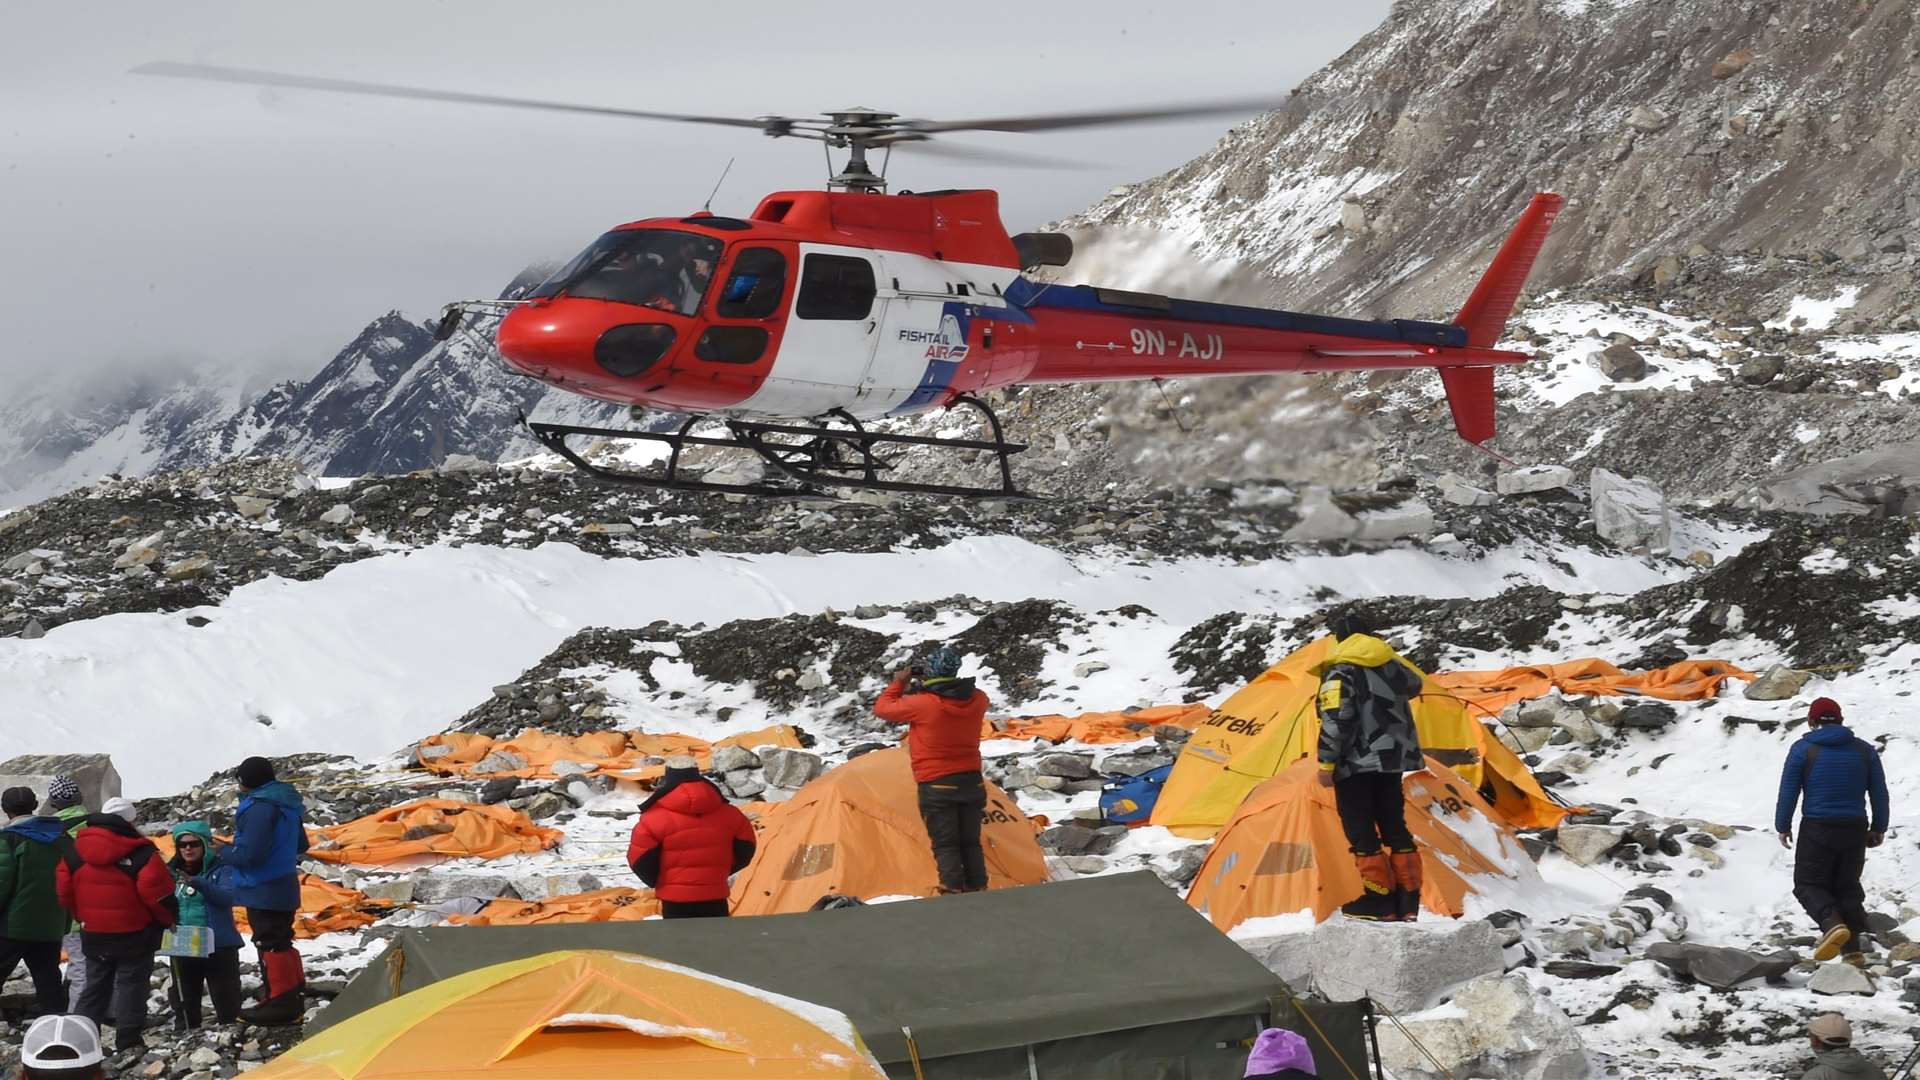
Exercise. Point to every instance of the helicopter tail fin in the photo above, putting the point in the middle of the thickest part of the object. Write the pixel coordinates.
(1487, 310)
(1485, 315)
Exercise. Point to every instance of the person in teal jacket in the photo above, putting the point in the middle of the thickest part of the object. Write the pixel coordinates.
(202, 885)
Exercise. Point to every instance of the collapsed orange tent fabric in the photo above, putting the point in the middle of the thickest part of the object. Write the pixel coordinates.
(584, 1013)
(857, 831)
(1689, 680)
(603, 905)
(432, 827)
(1284, 851)
(601, 751)
(1095, 727)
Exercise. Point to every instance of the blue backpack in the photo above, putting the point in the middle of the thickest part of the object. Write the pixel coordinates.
(1128, 800)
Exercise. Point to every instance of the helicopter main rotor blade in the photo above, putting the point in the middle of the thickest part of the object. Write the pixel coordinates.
(984, 155)
(1058, 121)
(770, 124)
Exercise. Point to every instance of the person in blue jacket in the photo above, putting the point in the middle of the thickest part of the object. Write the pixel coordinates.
(202, 885)
(269, 836)
(1839, 775)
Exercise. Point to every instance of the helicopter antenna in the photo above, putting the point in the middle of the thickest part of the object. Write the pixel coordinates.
(708, 206)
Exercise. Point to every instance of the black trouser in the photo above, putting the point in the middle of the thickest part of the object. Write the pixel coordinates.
(43, 963)
(119, 969)
(218, 975)
(953, 807)
(1827, 861)
(272, 930)
(1373, 812)
(693, 909)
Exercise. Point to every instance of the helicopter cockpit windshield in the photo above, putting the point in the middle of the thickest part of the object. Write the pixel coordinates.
(656, 268)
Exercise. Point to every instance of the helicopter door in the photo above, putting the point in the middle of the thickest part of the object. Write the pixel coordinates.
(923, 336)
(829, 336)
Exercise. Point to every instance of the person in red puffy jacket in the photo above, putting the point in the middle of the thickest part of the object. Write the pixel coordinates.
(688, 842)
(118, 887)
(943, 713)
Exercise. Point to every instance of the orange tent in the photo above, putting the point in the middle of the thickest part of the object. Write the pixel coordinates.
(1096, 727)
(584, 1013)
(1284, 851)
(604, 905)
(432, 827)
(857, 831)
(456, 753)
(1689, 680)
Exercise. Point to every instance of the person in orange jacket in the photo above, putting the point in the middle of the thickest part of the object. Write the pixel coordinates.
(943, 713)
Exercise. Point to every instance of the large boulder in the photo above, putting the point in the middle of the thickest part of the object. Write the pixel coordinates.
(1621, 363)
(790, 769)
(1289, 956)
(1840, 979)
(1533, 478)
(1777, 683)
(1495, 1026)
(95, 774)
(433, 886)
(1588, 844)
(1404, 966)
(1717, 966)
(1630, 512)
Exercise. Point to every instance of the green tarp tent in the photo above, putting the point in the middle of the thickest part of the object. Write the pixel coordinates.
(1103, 978)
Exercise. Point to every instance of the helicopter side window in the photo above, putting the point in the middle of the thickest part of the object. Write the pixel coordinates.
(656, 268)
(835, 287)
(754, 287)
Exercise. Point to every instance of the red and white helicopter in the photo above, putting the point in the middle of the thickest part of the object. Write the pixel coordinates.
(822, 309)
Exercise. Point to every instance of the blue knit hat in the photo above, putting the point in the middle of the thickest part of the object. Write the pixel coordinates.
(942, 663)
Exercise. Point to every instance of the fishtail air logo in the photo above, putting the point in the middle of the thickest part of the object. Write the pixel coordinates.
(948, 344)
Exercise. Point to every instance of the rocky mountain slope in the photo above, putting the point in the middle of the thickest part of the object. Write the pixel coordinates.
(391, 401)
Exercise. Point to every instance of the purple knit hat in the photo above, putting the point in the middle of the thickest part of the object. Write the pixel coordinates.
(1278, 1048)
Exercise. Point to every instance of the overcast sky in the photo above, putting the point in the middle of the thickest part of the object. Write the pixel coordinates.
(149, 222)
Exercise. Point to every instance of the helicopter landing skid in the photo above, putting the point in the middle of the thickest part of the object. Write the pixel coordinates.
(810, 458)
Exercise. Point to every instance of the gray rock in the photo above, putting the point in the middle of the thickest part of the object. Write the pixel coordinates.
(458, 464)
(810, 680)
(252, 506)
(338, 514)
(1621, 363)
(193, 566)
(1065, 766)
(398, 890)
(1089, 667)
(1133, 763)
(545, 805)
(1588, 844)
(1289, 956)
(790, 769)
(1630, 513)
(1648, 716)
(498, 762)
(437, 887)
(98, 779)
(1321, 520)
(1179, 866)
(1647, 120)
(33, 631)
(1456, 490)
(1761, 370)
(1404, 966)
(1410, 519)
(744, 783)
(1777, 683)
(730, 759)
(1076, 838)
(1533, 478)
(1717, 966)
(498, 790)
(1839, 978)
(1496, 1026)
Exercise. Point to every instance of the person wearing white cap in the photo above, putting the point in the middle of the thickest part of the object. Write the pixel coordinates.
(62, 1048)
(1834, 1057)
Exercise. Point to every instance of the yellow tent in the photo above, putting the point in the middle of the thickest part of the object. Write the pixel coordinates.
(857, 831)
(583, 1014)
(1271, 723)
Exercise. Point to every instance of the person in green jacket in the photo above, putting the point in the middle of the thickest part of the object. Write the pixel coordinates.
(203, 887)
(32, 921)
(65, 804)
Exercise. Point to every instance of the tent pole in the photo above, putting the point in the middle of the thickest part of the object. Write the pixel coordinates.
(1373, 1036)
(913, 1053)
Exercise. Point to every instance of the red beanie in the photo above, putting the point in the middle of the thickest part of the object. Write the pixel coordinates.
(1823, 710)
